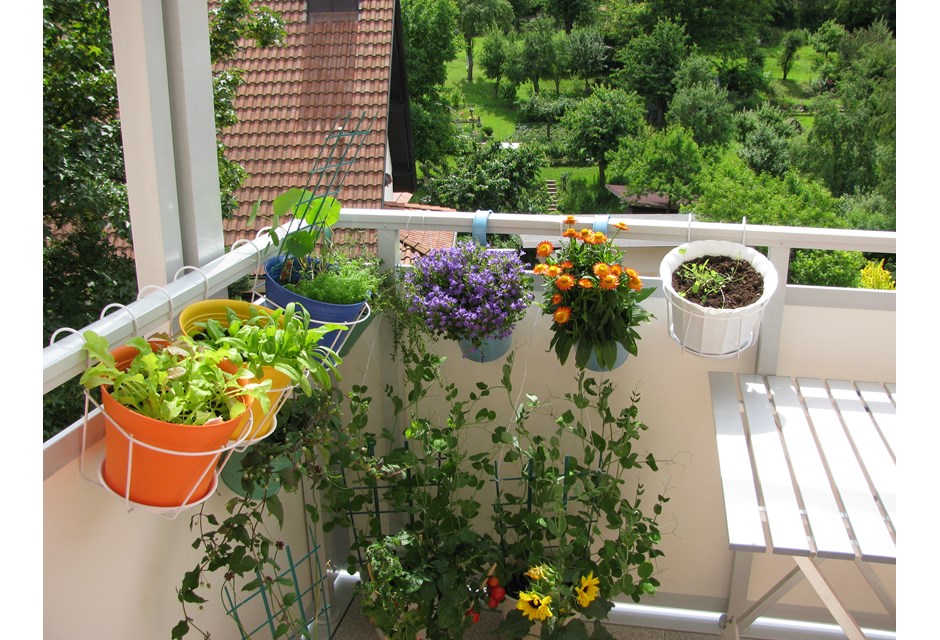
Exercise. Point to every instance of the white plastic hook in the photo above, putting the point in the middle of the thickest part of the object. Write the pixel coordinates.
(743, 229)
(116, 305)
(689, 236)
(205, 278)
(61, 330)
(154, 287)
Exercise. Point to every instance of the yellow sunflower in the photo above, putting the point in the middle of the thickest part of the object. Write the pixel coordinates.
(536, 573)
(533, 606)
(588, 589)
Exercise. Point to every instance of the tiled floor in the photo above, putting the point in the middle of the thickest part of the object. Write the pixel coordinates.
(354, 626)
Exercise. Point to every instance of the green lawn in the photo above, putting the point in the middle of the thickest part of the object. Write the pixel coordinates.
(795, 90)
(554, 173)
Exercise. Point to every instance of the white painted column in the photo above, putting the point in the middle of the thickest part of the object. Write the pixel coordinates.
(186, 23)
(143, 95)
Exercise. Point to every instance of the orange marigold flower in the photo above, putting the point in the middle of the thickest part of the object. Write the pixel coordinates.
(622, 225)
(567, 265)
(553, 271)
(556, 299)
(586, 234)
(615, 269)
(544, 249)
(635, 283)
(540, 269)
(599, 238)
(564, 282)
(601, 269)
(569, 220)
(586, 283)
(562, 315)
(610, 281)
(569, 233)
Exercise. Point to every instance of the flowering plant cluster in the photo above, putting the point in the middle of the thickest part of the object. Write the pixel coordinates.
(550, 599)
(592, 298)
(469, 292)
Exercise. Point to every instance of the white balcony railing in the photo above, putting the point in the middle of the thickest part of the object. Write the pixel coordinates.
(811, 331)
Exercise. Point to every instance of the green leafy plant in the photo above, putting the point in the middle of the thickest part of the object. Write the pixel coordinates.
(242, 547)
(705, 281)
(570, 539)
(179, 382)
(875, 276)
(280, 338)
(346, 279)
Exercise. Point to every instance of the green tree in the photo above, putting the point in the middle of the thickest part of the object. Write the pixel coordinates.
(587, 55)
(568, 12)
(700, 104)
(764, 135)
(599, 121)
(667, 162)
(789, 45)
(650, 62)
(476, 17)
(495, 57)
(828, 37)
(723, 27)
(429, 29)
(540, 50)
(491, 177)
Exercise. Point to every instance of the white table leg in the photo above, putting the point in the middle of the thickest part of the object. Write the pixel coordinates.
(829, 598)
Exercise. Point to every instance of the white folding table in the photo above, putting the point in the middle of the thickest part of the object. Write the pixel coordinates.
(807, 471)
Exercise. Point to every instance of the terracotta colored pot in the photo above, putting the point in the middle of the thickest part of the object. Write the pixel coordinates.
(158, 476)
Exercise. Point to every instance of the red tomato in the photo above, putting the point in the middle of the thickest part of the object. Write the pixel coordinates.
(492, 581)
(493, 603)
(498, 594)
(475, 615)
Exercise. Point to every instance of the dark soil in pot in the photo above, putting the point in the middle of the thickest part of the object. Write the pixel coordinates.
(724, 282)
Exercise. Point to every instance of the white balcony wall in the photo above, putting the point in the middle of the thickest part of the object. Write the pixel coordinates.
(113, 574)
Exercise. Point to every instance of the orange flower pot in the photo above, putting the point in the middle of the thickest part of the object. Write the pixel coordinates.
(160, 477)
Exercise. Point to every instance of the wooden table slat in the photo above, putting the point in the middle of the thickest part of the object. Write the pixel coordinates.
(876, 459)
(745, 529)
(827, 526)
(788, 535)
(871, 534)
(883, 412)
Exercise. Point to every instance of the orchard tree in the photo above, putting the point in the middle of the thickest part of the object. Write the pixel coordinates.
(568, 12)
(430, 39)
(650, 63)
(828, 37)
(764, 136)
(600, 121)
(700, 104)
(789, 45)
(476, 17)
(722, 27)
(667, 162)
(491, 177)
(496, 56)
(539, 50)
(587, 55)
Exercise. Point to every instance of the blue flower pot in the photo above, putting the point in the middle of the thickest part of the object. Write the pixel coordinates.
(592, 364)
(320, 312)
(491, 349)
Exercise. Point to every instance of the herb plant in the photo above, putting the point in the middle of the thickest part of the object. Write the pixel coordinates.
(594, 301)
(469, 292)
(179, 383)
(345, 280)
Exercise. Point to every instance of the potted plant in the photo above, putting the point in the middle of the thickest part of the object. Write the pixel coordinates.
(277, 345)
(716, 293)
(333, 285)
(163, 402)
(241, 547)
(570, 540)
(470, 294)
(592, 298)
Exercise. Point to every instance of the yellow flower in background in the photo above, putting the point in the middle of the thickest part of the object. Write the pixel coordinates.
(533, 606)
(588, 589)
(536, 573)
(544, 249)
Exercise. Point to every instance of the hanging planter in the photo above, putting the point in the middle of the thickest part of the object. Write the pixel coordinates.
(320, 312)
(718, 325)
(593, 365)
(167, 461)
(489, 350)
